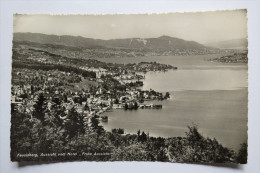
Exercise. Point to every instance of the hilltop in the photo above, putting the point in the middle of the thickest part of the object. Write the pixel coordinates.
(163, 42)
(81, 47)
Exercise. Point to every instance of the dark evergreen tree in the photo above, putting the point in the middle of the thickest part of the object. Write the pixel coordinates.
(135, 105)
(58, 111)
(74, 124)
(40, 108)
(242, 154)
(142, 137)
(96, 128)
(126, 106)
(138, 133)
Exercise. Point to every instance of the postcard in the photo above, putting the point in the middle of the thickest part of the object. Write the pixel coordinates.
(167, 87)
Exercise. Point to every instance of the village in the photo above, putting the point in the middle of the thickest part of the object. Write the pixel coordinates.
(112, 87)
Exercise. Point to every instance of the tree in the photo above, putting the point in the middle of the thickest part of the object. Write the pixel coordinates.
(142, 137)
(135, 105)
(96, 127)
(138, 133)
(118, 131)
(77, 99)
(167, 95)
(65, 98)
(116, 101)
(196, 148)
(40, 108)
(135, 152)
(242, 154)
(74, 124)
(21, 134)
(193, 134)
(56, 100)
(25, 95)
(58, 111)
(126, 106)
(94, 123)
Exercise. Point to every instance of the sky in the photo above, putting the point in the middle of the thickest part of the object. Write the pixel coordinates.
(203, 27)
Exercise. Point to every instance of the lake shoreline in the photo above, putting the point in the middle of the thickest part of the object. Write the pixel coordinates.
(209, 116)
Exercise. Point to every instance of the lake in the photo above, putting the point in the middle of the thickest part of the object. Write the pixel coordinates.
(210, 94)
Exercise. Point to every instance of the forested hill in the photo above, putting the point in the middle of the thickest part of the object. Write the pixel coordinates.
(161, 43)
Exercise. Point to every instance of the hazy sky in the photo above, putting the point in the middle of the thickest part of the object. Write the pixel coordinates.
(203, 27)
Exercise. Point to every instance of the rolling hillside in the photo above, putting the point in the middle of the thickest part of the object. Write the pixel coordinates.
(161, 43)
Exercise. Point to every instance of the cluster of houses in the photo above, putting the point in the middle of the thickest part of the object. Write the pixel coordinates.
(86, 102)
(66, 89)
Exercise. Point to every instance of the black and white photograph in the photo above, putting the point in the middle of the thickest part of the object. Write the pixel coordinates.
(159, 87)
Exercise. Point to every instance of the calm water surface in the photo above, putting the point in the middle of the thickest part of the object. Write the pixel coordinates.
(210, 94)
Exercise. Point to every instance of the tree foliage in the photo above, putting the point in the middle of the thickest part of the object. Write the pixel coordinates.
(60, 132)
(40, 108)
(242, 154)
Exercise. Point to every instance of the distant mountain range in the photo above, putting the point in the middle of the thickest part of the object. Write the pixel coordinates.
(230, 44)
(161, 43)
